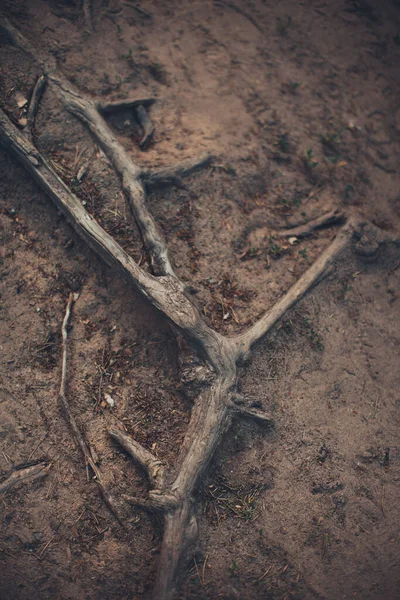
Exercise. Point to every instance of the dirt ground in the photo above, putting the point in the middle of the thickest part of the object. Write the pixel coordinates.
(299, 102)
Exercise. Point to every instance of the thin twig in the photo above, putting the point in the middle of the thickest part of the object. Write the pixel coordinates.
(138, 9)
(333, 217)
(240, 11)
(145, 459)
(78, 435)
(36, 96)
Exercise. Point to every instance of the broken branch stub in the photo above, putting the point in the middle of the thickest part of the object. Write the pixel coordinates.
(145, 459)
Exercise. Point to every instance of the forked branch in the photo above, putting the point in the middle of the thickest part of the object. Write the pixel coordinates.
(173, 175)
(214, 409)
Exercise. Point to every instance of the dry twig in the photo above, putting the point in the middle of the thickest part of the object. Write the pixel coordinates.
(78, 435)
(333, 217)
(34, 101)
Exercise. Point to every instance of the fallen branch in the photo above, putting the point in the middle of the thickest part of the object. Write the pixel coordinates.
(214, 408)
(25, 475)
(334, 217)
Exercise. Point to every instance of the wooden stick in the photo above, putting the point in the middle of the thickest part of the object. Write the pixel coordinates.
(253, 415)
(240, 11)
(138, 9)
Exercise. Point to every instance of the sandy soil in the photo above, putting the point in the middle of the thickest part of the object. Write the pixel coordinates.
(299, 102)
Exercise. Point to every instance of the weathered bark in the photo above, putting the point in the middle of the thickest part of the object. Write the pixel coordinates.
(172, 490)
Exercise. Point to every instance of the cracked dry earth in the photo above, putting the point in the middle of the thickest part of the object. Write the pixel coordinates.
(310, 509)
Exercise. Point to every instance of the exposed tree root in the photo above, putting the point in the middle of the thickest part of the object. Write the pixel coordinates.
(171, 490)
(173, 175)
(143, 458)
(312, 276)
(34, 101)
(24, 476)
(334, 217)
(109, 108)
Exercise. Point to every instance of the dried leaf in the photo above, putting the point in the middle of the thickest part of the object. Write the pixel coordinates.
(292, 240)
